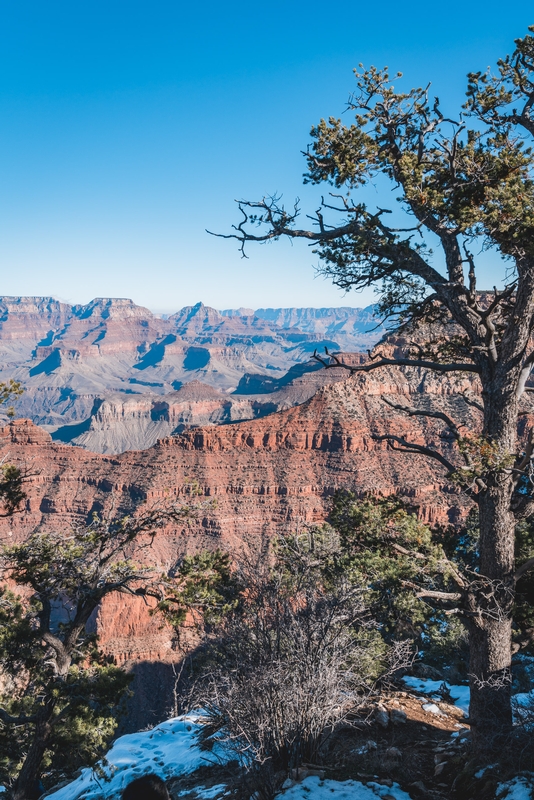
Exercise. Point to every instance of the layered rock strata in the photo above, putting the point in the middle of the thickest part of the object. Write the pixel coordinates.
(251, 479)
(72, 358)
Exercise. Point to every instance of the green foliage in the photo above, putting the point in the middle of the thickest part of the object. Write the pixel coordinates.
(59, 698)
(11, 477)
(204, 588)
(12, 494)
(400, 558)
(57, 692)
(80, 707)
(11, 390)
(452, 178)
(403, 561)
(385, 547)
(484, 458)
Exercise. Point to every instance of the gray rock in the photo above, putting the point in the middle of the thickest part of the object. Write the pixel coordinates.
(398, 716)
(382, 716)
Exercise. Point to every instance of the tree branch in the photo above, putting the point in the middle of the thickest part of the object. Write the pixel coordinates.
(471, 402)
(394, 362)
(21, 719)
(453, 597)
(411, 447)
(524, 568)
(449, 565)
(416, 412)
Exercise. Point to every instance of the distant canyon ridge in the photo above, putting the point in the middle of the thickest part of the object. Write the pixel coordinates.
(111, 376)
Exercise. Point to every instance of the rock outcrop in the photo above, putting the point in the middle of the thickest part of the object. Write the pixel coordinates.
(125, 422)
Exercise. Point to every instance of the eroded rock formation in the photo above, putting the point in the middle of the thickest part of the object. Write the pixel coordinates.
(71, 359)
(267, 476)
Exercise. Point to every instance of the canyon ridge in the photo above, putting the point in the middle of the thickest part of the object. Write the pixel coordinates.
(111, 376)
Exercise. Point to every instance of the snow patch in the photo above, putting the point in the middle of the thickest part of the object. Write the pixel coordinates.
(432, 708)
(518, 789)
(168, 750)
(212, 793)
(523, 709)
(459, 694)
(314, 788)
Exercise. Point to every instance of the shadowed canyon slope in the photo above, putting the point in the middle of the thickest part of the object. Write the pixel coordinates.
(90, 370)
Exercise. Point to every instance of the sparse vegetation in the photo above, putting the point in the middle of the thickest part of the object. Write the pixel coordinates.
(59, 697)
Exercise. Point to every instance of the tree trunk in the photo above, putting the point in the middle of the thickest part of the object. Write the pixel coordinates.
(490, 622)
(28, 781)
(491, 598)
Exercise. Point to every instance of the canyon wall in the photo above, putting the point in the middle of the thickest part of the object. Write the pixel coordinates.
(111, 376)
(252, 479)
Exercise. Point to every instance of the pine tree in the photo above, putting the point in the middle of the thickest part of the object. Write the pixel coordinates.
(59, 696)
(461, 183)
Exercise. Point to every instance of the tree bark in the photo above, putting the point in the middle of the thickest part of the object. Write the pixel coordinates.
(490, 603)
(27, 784)
(490, 626)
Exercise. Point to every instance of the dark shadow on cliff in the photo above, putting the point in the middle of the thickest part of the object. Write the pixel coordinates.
(67, 433)
(155, 354)
(48, 365)
(153, 695)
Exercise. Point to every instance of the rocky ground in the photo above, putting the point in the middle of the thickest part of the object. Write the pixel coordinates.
(403, 746)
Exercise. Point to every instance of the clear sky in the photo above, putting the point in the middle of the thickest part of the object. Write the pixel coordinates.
(129, 127)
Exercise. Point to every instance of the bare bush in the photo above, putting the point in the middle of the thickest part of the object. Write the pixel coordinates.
(298, 655)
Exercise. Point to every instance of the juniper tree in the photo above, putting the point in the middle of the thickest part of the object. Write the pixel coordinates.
(58, 694)
(462, 182)
(11, 477)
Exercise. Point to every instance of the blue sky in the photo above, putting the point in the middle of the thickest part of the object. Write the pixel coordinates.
(129, 127)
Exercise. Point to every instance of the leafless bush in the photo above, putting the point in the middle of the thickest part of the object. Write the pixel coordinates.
(297, 656)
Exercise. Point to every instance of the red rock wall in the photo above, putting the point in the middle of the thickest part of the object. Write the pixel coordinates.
(266, 476)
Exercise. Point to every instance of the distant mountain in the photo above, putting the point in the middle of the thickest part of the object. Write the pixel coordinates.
(72, 360)
(343, 321)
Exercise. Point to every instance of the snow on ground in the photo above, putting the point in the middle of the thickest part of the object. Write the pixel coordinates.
(212, 793)
(523, 707)
(168, 750)
(314, 788)
(518, 789)
(171, 749)
(523, 703)
(432, 708)
(459, 694)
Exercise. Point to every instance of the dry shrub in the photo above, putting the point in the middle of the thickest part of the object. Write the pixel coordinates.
(297, 656)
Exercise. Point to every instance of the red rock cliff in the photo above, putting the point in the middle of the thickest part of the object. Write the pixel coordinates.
(267, 476)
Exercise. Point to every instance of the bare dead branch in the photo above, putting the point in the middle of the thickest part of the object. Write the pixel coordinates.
(416, 412)
(471, 402)
(453, 597)
(393, 362)
(411, 447)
